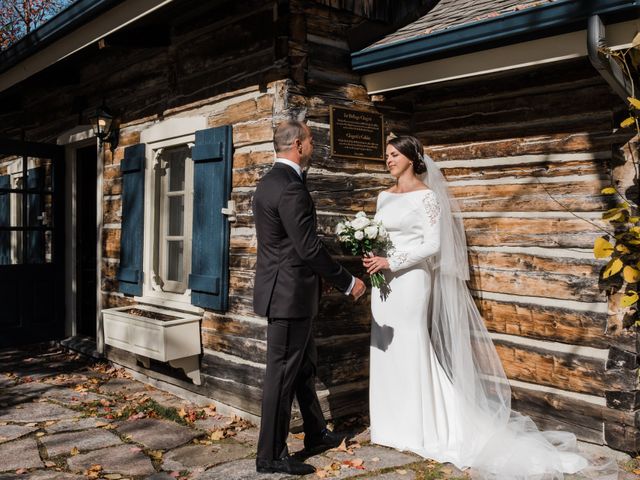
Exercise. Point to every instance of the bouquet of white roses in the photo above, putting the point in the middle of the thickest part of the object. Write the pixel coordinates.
(363, 236)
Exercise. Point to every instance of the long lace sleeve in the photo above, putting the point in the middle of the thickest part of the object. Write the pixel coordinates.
(430, 217)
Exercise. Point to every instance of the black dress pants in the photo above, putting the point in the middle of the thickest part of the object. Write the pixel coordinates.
(291, 370)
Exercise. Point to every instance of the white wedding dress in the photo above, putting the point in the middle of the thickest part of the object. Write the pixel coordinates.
(415, 402)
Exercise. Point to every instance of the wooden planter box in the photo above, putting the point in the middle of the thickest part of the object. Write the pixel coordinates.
(150, 332)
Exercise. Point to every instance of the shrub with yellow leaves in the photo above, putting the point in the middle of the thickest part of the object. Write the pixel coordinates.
(622, 245)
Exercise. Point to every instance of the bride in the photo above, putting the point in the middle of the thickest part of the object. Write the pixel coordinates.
(437, 387)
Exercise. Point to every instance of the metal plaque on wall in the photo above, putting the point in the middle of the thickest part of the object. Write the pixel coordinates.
(356, 134)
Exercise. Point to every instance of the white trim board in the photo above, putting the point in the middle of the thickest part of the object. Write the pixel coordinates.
(544, 50)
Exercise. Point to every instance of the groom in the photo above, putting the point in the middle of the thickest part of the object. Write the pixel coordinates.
(291, 260)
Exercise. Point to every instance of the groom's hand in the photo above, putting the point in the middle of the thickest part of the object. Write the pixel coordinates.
(358, 289)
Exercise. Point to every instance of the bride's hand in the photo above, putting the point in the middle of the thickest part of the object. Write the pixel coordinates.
(374, 264)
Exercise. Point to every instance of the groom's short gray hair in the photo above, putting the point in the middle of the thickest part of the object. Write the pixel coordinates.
(288, 132)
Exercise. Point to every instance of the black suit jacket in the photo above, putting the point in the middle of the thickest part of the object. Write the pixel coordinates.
(291, 257)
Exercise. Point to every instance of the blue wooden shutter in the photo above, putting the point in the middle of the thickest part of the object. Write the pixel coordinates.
(35, 207)
(212, 160)
(131, 237)
(5, 219)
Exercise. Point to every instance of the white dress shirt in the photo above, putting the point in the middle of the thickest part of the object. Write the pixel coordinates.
(298, 170)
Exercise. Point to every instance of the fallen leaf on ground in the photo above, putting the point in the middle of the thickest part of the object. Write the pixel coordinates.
(217, 435)
(93, 471)
(343, 447)
(75, 451)
(40, 434)
(156, 454)
(401, 472)
(49, 464)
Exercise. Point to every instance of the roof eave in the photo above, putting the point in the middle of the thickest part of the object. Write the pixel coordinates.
(508, 28)
(66, 21)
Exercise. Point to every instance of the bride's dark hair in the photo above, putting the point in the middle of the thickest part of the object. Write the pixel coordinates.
(411, 148)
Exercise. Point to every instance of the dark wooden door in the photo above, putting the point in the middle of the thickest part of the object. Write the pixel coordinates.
(86, 241)
(31, 242)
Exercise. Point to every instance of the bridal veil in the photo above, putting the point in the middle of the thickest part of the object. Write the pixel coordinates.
(496, 442)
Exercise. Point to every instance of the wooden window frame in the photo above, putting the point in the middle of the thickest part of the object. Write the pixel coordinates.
(166, 134)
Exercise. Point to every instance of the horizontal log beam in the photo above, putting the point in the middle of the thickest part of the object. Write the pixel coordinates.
(564, 370)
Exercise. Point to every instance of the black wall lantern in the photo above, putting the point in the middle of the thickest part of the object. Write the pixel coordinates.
(104, 127)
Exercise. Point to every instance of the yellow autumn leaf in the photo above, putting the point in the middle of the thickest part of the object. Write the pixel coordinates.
(634, 101)
(613, 214)
(634, 219)
(75, 451)
(613, 267)
(629, 299)
(608, 191)
(622, 248)
(627, 122)
(602, 248)
(630, 274)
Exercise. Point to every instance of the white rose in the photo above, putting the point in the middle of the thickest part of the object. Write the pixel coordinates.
(360, 222)
(361, 215)
(382, 231)
(359, 235)
(371, 231)
(340, 228)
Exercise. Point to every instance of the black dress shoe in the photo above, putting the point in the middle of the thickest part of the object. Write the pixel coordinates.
(284, 465)
(326, 440)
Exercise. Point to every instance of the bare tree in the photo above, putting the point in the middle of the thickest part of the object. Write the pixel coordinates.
(20, 17)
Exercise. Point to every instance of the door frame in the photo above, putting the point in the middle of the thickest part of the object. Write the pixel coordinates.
(72, 140)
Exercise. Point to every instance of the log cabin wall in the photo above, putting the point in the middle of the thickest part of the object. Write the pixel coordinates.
(526, 154)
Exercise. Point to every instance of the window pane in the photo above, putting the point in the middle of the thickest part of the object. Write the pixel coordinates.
(39, 210)
(10, 167)
(176, 160)
(11, 248)
(176, 215)
(175, 251)
(39, 173)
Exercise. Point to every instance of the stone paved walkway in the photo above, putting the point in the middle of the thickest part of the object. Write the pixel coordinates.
(63, 417)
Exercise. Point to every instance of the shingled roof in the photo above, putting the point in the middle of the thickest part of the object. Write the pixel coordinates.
(453, 13)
